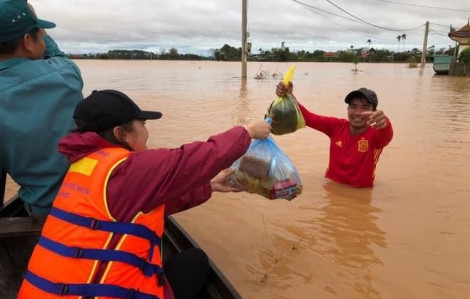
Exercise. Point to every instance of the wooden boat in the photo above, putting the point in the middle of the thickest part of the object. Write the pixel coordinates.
(19, 234)
(176, 239)
(441, 64)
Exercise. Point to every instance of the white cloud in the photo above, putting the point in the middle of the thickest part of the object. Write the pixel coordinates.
(85, 26)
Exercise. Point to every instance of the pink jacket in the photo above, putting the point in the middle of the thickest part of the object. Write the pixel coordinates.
(178, 178)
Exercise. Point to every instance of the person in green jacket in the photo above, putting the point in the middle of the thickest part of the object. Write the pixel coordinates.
(39, 89)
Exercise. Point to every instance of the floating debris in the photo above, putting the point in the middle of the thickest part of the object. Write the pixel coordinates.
(278, 260)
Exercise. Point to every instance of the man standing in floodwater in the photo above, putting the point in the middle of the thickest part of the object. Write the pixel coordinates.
(356, 143)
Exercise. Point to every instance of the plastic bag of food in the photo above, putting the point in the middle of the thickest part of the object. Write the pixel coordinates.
(285, 112)
(266, 170)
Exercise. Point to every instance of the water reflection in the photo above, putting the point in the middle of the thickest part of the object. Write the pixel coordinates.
(421, 72)
(243, 89)
(346, 237)
(452, 108)
(349, 227)
(333, 240)
(280, 270)
(278, 273)
(242, 110)
(459, 86)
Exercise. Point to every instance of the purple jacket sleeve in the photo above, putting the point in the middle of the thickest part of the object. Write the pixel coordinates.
(179, 178)
(191, 199)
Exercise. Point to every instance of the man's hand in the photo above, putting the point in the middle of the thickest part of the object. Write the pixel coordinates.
(377, 119)
(282, 89)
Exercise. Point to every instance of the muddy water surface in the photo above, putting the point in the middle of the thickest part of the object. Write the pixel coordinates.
(408, 237)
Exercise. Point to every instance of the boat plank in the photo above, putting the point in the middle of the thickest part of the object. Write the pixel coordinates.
(176, 239)
(19, 234)
(19, 226)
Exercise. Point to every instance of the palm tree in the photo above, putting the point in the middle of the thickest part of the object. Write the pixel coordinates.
(403, 37)
(431, 50)
(369, 41)
(399, 38)
(355, 61)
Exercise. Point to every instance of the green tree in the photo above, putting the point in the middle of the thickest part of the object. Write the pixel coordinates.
(399, 38)
(381, 55)
(346, 56)
(412, 62)
(355, 62)
(403, 37)
(173, 54)
(281, 54)
(228, 53)
(464, 58)
(431, 50)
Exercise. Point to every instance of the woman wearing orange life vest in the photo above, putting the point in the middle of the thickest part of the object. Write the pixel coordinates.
(102, 238)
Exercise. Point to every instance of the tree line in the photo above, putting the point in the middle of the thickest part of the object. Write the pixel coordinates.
(281, 54)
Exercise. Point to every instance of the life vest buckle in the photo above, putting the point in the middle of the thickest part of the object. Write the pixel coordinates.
(78, 252)
(143, 267)
(94, 224)
(64, 289)
(133, 294)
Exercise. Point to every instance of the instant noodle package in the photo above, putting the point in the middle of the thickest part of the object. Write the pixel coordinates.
(266, 170)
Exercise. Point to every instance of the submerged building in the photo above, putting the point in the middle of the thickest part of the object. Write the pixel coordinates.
(462, 37)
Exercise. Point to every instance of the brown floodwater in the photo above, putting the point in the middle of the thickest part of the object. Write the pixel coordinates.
(408, 237)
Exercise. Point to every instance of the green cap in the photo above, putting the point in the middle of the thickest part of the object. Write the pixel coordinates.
(16, 19)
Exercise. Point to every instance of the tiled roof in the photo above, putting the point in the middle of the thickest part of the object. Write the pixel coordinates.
(462, 35)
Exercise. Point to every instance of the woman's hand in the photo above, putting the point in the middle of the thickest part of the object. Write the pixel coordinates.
(220, 184)
(259, 130)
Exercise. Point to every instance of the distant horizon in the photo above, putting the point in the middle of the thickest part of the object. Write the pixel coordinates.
(207, 52)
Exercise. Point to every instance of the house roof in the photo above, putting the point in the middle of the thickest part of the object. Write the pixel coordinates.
(462, 35)
(330, 54)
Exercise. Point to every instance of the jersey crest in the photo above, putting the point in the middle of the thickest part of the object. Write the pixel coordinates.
(362, 146)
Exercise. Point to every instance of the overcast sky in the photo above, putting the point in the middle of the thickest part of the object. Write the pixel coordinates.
(196, 26)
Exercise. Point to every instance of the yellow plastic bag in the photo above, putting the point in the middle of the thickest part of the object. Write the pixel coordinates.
(284, 111)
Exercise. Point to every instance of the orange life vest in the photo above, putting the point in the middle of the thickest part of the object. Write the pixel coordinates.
(76, 241)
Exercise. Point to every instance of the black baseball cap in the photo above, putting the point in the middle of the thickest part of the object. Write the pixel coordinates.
(105, 109)
(365, 93)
